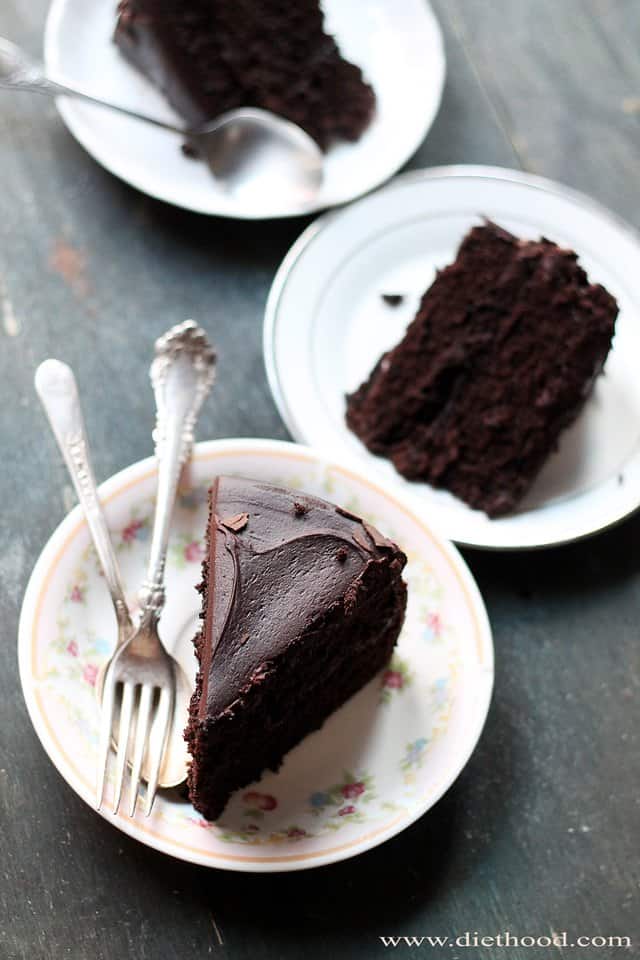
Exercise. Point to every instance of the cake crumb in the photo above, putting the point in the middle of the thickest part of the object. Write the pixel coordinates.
(189, 150)
(300, 508)
(236, 523)
(393, 299)
(341, 555)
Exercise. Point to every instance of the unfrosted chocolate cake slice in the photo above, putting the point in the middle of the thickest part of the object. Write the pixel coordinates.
(210, 56)
(499, 359)
(302, 605)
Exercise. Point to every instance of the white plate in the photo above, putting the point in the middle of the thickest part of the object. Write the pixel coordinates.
(398, 45)
(326, 325)
(377, 764)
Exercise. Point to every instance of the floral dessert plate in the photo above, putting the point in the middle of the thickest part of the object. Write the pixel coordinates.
(375, 766)
(398, 46)
(353, 281)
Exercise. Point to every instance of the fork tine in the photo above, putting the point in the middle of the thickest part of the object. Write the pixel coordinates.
(106, 721)
(126, 712)
(162, 719)
(142, 735)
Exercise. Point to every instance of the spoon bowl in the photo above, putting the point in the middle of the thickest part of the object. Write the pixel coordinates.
(261, 158)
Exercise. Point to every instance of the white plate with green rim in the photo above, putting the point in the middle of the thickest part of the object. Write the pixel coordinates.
(327, 324)
(399, 47)
(376, 765)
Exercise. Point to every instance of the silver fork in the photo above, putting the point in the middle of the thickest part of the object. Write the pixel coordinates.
(141, 674)
(56, 386)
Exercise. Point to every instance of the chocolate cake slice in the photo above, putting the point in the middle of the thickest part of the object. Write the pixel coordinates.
(302, 605)
(210, 56)
(499, 359)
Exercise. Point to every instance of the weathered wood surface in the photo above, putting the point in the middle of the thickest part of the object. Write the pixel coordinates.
(541, 831)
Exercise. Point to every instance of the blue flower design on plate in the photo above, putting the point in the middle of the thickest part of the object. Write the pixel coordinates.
(416, 748)
(102, 646)
(320, 799)
(440, 690)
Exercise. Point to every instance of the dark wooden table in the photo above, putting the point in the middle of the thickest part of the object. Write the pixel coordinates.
(540, 832)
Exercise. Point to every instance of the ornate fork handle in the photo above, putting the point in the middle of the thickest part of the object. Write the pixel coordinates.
(182, 374)
(57, 389)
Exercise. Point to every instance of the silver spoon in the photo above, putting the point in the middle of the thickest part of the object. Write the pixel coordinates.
(56, 386)
(259, 157)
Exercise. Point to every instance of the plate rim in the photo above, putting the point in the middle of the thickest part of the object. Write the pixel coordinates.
(445, 171)
(67, 113)
(118, 483)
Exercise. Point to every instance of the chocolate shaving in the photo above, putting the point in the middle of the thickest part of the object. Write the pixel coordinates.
(360, 540)
(236, 523)
(300, 508)
(375, 535)
(341, 555)
(393, 299)
(347, 514)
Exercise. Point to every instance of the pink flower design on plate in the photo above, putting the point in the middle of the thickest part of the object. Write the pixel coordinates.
(262, 801)
(353, 790)
(193, 552)
(393, 679)
(253, 828)
(77, 595)
(435, 623)
(295, 833)
(90, 673)
(72, 648)
(346, 811)
(131, 530)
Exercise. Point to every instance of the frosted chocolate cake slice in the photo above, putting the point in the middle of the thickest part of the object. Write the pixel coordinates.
(498, 361)
(302, 605)
(210, 56)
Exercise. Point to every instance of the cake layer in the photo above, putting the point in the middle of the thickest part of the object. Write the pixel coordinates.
(499, 359)
(302, 604)
(297, 693)
(210, 56)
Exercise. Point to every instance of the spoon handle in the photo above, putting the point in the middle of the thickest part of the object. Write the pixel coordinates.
(19, 72)
(182, 374)
(56, 386)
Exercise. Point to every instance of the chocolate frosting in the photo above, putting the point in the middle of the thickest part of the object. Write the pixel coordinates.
(277, 560)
